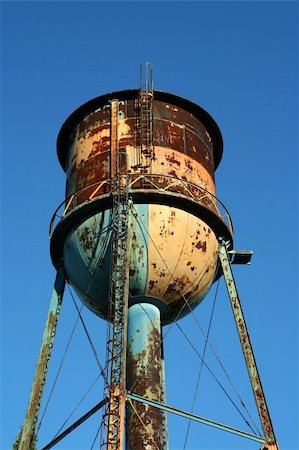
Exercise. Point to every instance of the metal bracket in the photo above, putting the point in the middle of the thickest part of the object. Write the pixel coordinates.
(240, 256)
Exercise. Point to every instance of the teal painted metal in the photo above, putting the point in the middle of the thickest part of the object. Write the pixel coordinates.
(28, 431)
(246, 346)
(194, 417)
(143, 320)
(87, 260)
(164, 413)
(88, 253)
(138, 223)
(144, 367)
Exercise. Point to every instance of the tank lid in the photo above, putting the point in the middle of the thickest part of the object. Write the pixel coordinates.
(95, 103)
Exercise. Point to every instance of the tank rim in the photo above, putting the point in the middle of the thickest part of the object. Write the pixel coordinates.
(86, 108)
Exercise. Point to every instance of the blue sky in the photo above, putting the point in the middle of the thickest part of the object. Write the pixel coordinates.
(239, 61)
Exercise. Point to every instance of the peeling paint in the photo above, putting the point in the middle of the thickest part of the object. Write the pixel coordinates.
(144, 377)
(170, 249)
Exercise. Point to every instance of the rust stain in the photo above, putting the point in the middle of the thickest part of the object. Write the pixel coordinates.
(188, 164)
(97, 130)
(151, 284)
(94, 120)
(87, 239)
(177, 286)
(144, 373)
(171, 289)
(52, 318)
(202, 246)
(99, 146)
(172, 159)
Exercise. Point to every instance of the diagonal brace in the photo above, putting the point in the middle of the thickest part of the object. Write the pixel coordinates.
(27, 438)
(255, 380)
(191, 416)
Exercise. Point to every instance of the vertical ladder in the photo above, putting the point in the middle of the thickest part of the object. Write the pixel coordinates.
(114, 413)
(144, 118)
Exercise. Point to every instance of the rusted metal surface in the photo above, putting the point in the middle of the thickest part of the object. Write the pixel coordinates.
(87, 257)
(29, 428)
(144, 424)
(270, 447)
(247, 348)
(114, 414)
(138, 222)
(182, 251)
(114, 154)
(173, 257)
(183, 146)
(169, 107)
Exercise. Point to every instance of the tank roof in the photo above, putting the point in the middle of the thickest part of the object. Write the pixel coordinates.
(130, 94)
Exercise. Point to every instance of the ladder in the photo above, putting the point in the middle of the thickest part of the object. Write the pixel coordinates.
(114, 412)
(144, 118)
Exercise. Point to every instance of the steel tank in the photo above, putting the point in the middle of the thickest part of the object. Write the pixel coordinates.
(174, 219)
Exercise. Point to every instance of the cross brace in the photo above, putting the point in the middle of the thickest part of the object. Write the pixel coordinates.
(194, 417)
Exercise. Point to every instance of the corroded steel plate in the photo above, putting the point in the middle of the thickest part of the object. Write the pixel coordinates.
(173, 258)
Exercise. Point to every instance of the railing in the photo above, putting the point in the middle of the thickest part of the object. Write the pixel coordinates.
(141, 183)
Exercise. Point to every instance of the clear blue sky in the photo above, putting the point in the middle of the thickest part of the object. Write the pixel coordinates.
(239, 61)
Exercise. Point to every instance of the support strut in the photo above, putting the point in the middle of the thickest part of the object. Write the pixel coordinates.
(144, 376)
(255, 380)
(27, 439)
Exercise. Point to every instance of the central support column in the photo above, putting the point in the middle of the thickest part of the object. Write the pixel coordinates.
(144, 377)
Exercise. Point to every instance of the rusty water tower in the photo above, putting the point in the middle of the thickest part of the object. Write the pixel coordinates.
(141, 237)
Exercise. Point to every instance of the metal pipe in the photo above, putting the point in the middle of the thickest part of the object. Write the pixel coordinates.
(144, 423)
(27, 438)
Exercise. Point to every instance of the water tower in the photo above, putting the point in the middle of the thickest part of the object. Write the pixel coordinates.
(141, 237)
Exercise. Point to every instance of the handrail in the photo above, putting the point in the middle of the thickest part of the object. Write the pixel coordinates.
(158, 182)
(72, 199)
